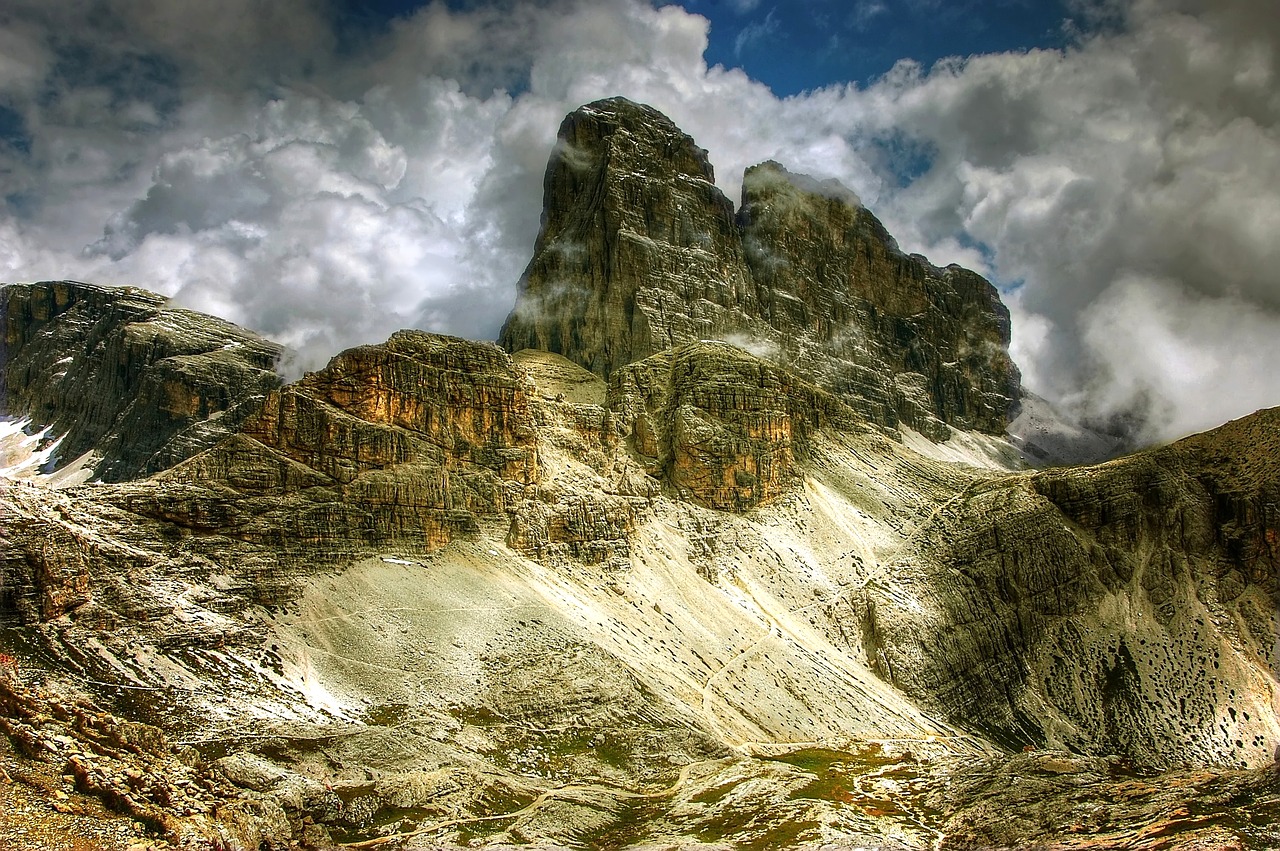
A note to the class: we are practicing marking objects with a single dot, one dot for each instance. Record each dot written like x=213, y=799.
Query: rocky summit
x=130, y=386
x=724, y=547
x=639, y=252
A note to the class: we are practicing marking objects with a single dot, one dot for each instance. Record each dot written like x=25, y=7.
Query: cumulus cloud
x=1131, y=186
x=330, y=186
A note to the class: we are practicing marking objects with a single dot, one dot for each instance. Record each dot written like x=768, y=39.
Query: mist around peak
x=336, y=183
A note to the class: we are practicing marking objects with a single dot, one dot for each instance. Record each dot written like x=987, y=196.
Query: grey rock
x=116, y=372
x=639, y=252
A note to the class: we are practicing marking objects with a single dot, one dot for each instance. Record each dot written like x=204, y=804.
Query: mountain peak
x=639, y=252
x=772, y=172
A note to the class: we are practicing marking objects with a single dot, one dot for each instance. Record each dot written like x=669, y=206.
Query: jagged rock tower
x=640, y=251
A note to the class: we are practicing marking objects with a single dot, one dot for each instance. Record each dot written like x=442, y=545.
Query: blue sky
x=329, y=171
x=797, y=46
x=793, y=47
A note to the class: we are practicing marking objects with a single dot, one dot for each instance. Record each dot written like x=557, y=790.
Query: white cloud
x=328, y=193
x=1151, y=154
x=756, y=33
x=1174, y=357
x=866, y=11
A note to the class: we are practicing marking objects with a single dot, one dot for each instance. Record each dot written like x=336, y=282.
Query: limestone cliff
x=720, y=425
x=639, y=251
x=406, y=443
x=1126, y=608
x=910, y=342
x=117, y=373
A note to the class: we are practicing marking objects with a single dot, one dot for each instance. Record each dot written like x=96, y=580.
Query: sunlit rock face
x=720, y=425
x=409, y=442
x=1127, y=608
x=639, y=251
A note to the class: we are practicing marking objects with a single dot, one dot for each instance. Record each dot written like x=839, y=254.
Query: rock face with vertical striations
x=404, y=443
x=908, y=341
x=723, y=427
x=1125, y=608
x=140, y=385
x=639, y=251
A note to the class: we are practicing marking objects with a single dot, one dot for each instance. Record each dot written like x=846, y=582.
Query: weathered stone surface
x=409, y=441
x=134, y=769
x=719, y=424
x=1126, y=608
x=435, y=593
x=1059, y=801
x=121, y=375
x=911, y=342
x=639, y=251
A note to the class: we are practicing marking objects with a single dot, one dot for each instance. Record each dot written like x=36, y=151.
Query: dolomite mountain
x=640, y=251
x=724, y=547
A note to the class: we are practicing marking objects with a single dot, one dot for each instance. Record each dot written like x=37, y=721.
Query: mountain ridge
x=440, y=593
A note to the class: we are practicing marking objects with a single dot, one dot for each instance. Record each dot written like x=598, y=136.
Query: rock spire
x=639, y=251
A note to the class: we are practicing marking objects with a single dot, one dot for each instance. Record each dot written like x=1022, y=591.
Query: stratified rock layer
x=720, y=425
x=1125, y=608
x=438, y=590
x=639, y=251
x=120, y=374
x=408, y=442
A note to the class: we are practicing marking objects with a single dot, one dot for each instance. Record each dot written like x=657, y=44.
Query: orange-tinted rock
x=720, y=424
x=409, y=441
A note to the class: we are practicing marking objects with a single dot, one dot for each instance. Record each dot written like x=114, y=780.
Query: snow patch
x=22, y=455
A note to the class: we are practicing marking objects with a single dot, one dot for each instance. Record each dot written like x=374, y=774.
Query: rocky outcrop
x=1059, y=801
x=720, y=425
x=137, y=771
x=639, y=251
x=435, y=592
x=406, y=443
x=1127, y=608
x=912, y=343
x=118, y=374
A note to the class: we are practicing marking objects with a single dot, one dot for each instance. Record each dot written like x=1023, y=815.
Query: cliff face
x=119, y=374
x=639, y=251
x=404, y=443
x=435, y=586
x=1127, y=608
x=721, y=426
x=908, y=341
x=1054, y=608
